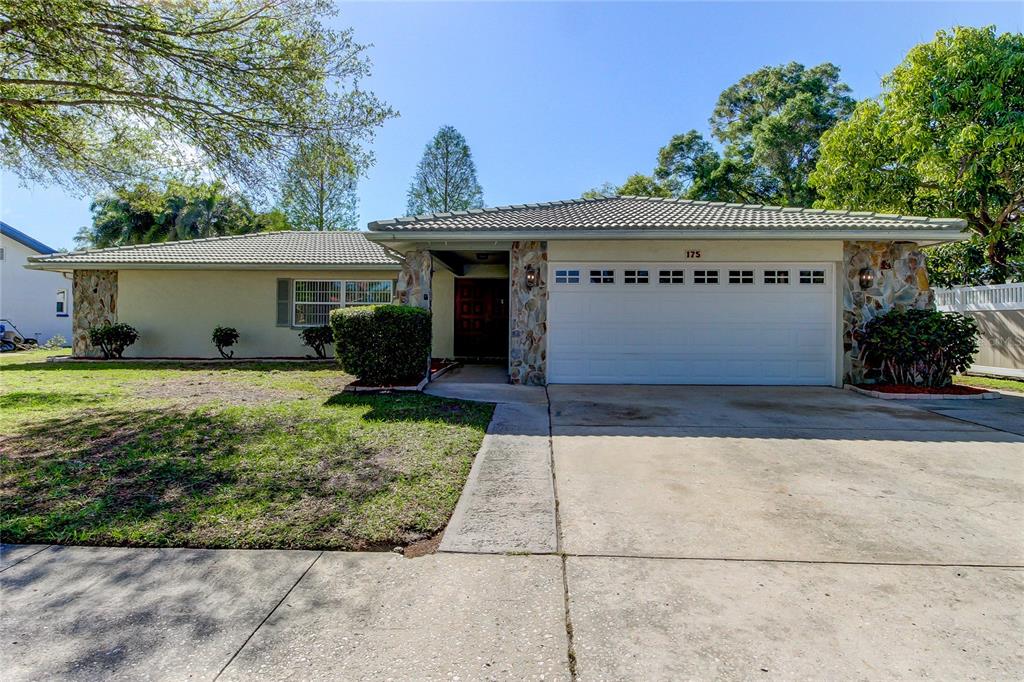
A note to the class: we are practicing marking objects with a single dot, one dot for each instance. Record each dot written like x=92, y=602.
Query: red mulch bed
x=905, y=388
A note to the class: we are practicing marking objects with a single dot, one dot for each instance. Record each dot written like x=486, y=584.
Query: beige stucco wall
x=443, y=311
x=175, y=311
x=483, y=271
x=710, y=250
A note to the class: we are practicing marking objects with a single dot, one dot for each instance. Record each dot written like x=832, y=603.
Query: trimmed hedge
x=382, y=345
x=921, y=347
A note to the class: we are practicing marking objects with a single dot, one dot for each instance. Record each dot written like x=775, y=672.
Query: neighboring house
x=607, y=290
x=999, y=311
x=267, y=285
x=37, y=303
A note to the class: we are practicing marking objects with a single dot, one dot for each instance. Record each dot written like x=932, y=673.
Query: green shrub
x=382, y=345
x=112, y=339
x=921, y=347
x=225, y=337
x=317, y=338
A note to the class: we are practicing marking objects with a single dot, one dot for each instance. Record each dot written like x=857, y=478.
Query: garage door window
x=741, y=277
x=776, y=276
x=567, y=276
x=812, y=277
x=602, y=277
x=705, y=276
x=671, y=277
x=636, y=276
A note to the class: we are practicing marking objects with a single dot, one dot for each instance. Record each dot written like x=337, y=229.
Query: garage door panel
x=739, y=334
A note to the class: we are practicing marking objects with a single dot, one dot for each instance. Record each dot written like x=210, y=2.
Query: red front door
x=481, y=318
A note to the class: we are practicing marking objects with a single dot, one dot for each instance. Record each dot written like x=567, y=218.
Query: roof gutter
x=943, y=235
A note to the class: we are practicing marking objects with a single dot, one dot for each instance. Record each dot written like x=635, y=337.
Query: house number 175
x=693, y=254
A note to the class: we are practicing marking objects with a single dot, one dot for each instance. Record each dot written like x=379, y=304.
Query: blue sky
x=556, y=98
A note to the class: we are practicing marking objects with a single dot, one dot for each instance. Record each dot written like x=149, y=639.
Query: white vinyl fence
x=999, y=311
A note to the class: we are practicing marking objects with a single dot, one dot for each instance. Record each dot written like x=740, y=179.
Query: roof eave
x=64, y=266
x=952, y=233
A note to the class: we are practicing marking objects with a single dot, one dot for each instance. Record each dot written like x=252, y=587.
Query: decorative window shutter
x=284, y=303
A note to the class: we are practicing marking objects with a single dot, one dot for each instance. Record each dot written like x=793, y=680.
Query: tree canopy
x=640, y=185
x=99, y=93
x=768, y=125
x=945, y=138
x=445, y=178
x=144, y=214
x=319, y=190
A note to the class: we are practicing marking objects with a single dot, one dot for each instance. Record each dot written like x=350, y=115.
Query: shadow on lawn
x=43, y=399
x=414, y=407
x=75, y=478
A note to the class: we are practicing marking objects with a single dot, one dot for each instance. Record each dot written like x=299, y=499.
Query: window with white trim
x=705, y=276
x=367, y=292
x=636, y=276
x=741, y=277
x=812, y=277
x=776, y=276
x=62, y=303
x=602, y=277
x=314, y=299
x=567, y=276
x=671, y=277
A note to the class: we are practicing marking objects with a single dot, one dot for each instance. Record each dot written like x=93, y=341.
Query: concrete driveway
x=790, y=474
x=738, y=532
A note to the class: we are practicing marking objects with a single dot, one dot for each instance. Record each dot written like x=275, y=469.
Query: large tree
x=97, y=93
x=768, y=125
x=771, y=123
x=446, y=176
x=319, y=190
x=945, y=138
x=143, y=214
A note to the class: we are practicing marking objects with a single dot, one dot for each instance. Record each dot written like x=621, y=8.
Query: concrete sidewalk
x=87, y=613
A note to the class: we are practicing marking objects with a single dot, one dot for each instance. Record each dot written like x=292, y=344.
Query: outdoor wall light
x=531, y=277
x=867, y=278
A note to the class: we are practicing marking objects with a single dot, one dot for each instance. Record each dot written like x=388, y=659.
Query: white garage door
x=682, y=323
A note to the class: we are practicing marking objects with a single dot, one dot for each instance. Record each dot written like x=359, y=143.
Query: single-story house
x=37, y=304
x=605, y=290
x=268, y=286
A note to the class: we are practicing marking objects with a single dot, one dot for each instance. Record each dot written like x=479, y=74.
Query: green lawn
x=987, y=382
x=242, y=455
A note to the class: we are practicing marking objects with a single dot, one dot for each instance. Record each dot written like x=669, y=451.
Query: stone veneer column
x=413, y=286
x=95, y=303
x=529, y=314
x=901, y=281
